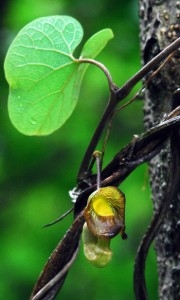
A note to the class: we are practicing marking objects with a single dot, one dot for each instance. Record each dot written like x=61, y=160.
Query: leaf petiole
x=112, y=86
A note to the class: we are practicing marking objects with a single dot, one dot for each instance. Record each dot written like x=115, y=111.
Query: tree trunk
x=159, y=26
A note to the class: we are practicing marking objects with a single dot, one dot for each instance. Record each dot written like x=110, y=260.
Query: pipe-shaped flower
x=105, y=218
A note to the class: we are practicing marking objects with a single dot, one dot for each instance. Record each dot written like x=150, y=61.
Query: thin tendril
x=60, y=218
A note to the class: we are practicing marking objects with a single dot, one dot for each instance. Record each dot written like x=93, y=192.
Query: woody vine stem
x=146, y=146
x=117, y=95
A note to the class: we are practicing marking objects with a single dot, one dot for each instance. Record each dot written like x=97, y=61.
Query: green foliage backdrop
x=36, y=173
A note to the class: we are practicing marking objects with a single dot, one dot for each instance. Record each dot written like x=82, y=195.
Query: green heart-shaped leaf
x=41, y=71
x=96, y=43
x=43, y=75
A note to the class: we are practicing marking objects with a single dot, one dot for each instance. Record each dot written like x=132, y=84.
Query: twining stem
x=168, y=197
x=97, y=134
x=117, y=95
x=128, y=86
x=43, y=291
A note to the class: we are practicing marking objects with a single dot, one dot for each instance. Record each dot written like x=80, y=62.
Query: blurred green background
x=36, y=173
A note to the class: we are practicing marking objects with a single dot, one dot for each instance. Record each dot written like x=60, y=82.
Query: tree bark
x=159, y=26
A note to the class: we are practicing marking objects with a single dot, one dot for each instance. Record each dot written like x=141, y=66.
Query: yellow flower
x=105, y=218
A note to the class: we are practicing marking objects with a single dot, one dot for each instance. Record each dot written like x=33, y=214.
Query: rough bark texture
x=159, y=26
